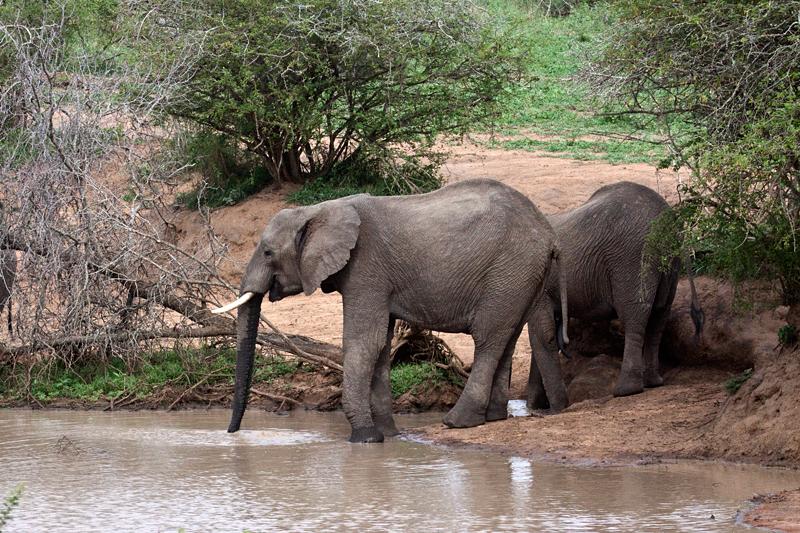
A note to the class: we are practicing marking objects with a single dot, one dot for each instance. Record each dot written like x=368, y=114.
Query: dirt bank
x=689, y=417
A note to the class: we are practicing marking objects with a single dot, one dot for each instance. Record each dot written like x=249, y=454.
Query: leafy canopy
x=310, y=87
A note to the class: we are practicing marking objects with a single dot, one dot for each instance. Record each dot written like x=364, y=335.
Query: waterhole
x=181, y=471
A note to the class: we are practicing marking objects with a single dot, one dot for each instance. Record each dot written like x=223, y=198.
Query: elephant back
x=602, y=244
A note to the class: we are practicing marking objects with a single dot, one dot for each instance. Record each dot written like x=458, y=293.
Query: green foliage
x=9, y=504
x=96, y=379
x=730, y=113
x=408, y=376
x=357, y=176
x=86, y=24
x=320, y=190
x=788, y=335
x=229, y=174
x=307, y=87
x=735, y=382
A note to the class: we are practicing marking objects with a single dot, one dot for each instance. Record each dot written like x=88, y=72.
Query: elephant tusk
x=233, y=305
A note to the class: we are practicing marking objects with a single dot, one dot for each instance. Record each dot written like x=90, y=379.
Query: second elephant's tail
x=561, y=335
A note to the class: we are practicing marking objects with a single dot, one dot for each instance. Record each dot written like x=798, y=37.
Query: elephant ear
x=324, y=243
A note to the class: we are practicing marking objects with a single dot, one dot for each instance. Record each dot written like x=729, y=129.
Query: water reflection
x=155, y=471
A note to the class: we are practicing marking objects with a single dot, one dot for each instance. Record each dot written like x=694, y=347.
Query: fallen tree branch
x=276, y=397
x=83, y=340
x=190, y=389
x=301, y=353
x=312, y=351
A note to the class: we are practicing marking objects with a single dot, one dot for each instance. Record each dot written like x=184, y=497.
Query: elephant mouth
x=275, y=290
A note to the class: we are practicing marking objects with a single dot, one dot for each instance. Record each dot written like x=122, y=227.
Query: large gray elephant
x=471, y=257
x=608, y=276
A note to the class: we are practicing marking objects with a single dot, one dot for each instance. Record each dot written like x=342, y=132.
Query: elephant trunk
x=246, y=332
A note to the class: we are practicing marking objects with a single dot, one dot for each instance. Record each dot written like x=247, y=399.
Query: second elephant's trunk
x=246, y=332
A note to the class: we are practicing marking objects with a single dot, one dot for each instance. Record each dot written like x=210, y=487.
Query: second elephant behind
x=608, y=277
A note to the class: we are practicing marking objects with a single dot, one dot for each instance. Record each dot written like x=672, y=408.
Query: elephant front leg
x=381, y=398
x=363, y=340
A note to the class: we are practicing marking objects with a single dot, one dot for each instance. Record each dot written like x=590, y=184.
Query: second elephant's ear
x=324, y=242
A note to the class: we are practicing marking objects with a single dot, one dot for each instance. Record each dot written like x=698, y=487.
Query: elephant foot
x=366, y=435
x=653, y=381
x=494, y=414
x=457, y=418
x=386, y=425
x=558, y=406
x=537, y=399
x=626, y=387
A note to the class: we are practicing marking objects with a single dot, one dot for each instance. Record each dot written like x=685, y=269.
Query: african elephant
x=608, y=276
x=471, y=257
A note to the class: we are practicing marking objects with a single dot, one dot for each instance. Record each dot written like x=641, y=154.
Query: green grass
x=407, y=377
x=735, y=382
x=548, y=112
x=94, y=380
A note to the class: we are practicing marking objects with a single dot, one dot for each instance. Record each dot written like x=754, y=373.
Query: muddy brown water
x=180, y=471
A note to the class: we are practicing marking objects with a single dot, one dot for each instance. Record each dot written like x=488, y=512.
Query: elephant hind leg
x=631, y=376
x=546, y=388
x=535, y=392
x=652, y=341
x=498, y=398
x=470, y=410
x=655, y=328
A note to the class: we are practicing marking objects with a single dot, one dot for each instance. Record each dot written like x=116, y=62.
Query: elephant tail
x=563, y=338
x=696, y=312
x=560, y=339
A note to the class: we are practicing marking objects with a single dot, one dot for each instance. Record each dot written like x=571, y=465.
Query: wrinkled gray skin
x=471, y=257
x=601, y=246
x=8, y=274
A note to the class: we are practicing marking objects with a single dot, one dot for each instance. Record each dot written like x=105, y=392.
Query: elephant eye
x=268, y=253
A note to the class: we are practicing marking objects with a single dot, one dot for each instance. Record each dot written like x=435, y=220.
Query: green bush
x=406, y=377
x=372, y=176
x=9, y=504
x=788, y=335
x=735, y=382
x=307, y=87
x=228, y=173
x=109, y=378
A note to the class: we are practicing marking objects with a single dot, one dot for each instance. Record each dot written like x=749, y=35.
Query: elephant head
x=298, y=250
